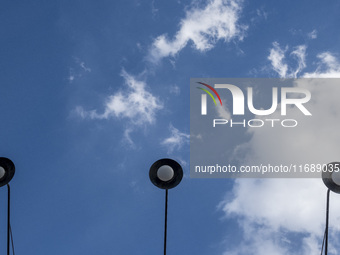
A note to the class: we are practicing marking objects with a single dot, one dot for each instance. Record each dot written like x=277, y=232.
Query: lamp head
x=166, y=173
x=7, y=170
x=331, y=176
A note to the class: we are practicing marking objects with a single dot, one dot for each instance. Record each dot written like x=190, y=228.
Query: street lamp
x=7, y=170
x=331, y=178
x=166, y=174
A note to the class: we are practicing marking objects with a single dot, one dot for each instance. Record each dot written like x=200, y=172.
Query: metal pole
x=166, y=219
x=8, y=215
x=327, y=219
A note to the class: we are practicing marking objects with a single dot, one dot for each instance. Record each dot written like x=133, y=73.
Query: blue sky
x=93, y=92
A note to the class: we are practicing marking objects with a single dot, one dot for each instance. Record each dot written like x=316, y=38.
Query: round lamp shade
x=331, y=176
x=7, y=170
x=166, y=173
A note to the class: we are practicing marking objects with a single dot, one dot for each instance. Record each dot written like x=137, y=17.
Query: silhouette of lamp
x=331, y=178
x=166, y=174
x=7, y=170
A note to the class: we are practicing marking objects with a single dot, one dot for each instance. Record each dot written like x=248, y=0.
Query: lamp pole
x=165, y=220
x=8, y=215
x=166, y=174
x=7, y=170
x=331, y=178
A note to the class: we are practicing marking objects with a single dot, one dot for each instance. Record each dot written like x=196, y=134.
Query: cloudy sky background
x=93, y=92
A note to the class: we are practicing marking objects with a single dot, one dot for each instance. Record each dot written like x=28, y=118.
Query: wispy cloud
x=328, y=67
x=85, y=68
x=262, y=13
x=78, y=70
x=203, y=27
x=174, y=89
x=300, y=55
x=176, y=139
x=154, y=10
x=135, y=104
x=277, y=57
x=313, y=34
x=127, y=138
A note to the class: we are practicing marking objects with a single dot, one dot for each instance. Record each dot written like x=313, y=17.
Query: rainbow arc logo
x=204, y=97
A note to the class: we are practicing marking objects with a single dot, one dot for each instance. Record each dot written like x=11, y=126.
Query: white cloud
x=86, y=69
x=277, y=59
x=261, y=13
x=300, y=54
x=175, y=90
x=154, y=10
x=277, y=215
x=313, y=34
x=279, y=204
x=259, y=240
x=135, y=103
x=204, y=27
x=127, y=138
x=276, y=56
x=78, y=70
x=287, y=216
x=176, y=140
x=328, y=67
x=71, y=77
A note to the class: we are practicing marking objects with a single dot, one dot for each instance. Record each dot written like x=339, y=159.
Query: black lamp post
x=331, y=178
x=7, y=170
x=166, y=174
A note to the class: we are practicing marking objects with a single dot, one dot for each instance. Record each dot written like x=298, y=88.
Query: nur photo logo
x=291, y=97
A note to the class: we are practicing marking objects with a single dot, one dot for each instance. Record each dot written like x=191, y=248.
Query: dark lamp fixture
x=166, y=173
x=331, y=176
x=7, y=170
